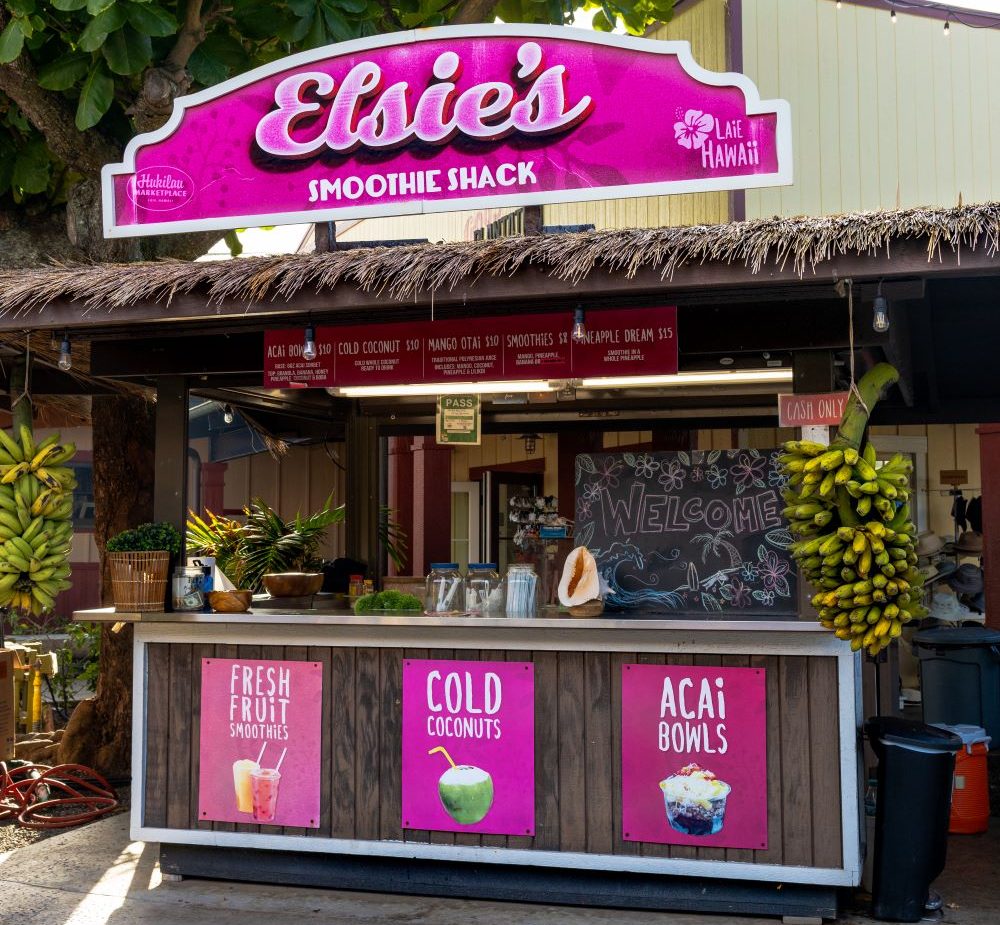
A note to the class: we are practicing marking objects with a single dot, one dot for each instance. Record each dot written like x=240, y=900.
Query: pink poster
x=469, y=746
x=694, y=756
x=260, y=742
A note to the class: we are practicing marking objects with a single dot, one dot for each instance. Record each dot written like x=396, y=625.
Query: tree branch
x=473, y=11
x=191, y=35
x=87, y=151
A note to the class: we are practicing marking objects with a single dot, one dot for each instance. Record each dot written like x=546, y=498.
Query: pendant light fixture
x=309, y=343
x=880, y=312
x=227, y=414
x=579, y=334
x=65, y=354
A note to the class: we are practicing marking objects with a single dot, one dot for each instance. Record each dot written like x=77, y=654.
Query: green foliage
x=147, y=538
x=264, y=543
x=94, y=53
x=79, y=663
x=387, y=600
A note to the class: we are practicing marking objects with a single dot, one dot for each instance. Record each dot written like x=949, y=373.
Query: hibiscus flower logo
x=696, y=127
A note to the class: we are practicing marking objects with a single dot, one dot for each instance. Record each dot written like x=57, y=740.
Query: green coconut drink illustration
x=466, y=791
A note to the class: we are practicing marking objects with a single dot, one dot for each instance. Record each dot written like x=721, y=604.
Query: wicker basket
x=139, y=580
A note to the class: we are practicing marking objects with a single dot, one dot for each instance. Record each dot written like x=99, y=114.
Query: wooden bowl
x=293, y=584
x=230, y=601
x=592, y=608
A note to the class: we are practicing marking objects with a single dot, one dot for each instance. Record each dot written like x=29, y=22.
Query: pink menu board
x=694, y=756
x=469, y=746
x=260, y=742
x=619, y=342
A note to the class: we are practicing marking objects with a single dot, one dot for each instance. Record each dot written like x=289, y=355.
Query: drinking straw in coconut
x=277, y=767
x=261, y=755
x=444, y=751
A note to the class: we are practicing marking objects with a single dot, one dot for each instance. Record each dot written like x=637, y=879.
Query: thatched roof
x=401, y=272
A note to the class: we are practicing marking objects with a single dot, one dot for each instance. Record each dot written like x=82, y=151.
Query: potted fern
x=265, y=551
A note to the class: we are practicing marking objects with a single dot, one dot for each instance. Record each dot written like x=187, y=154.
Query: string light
x=892, y=16
x=309, y=344
x=947, y=28
x=65, y=357
x=227, y=414
x=839, y=5
x=579, y=327
x=880, y=315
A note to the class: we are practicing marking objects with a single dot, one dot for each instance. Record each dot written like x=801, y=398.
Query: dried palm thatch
x=401, y=272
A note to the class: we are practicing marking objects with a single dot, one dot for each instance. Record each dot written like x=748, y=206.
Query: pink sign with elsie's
x=260, y=742
x=469, y=746
x=694, y=756
x=448, y=118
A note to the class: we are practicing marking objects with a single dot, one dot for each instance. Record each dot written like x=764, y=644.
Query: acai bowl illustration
x=695, y=800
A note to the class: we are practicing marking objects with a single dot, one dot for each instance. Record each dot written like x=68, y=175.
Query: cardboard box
x=7, y=706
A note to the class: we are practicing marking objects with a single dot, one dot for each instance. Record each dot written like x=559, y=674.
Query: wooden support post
x=533, y=218
x=171, y=464
x=812, y=371
x=363, y=479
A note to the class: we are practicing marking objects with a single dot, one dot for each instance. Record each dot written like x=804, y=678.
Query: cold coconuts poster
x=469, y=746
x=694, y=756
x=260, y=742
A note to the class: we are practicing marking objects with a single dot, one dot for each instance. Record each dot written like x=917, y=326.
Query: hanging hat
x=970, y=542
x=928, y=544
x=945, y=568
x=978, y=602
x=968, y=579
x=949, y=608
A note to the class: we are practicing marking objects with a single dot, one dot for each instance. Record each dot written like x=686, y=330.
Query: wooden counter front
x=812, y=719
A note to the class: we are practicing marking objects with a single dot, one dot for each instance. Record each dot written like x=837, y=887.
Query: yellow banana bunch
x=36, y=503
x=854, y=539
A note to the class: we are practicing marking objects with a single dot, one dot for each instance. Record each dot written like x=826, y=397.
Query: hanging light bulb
x=579, y=327
x=880, y=316
x=227, y=414
x=947, y=28
x=309, y=344
x=65, y=357
x=839, y=4
x=892, y=17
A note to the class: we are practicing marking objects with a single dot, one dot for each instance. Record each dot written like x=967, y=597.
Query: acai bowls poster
x=694, y=756
x=260, y=742
x=469, y=746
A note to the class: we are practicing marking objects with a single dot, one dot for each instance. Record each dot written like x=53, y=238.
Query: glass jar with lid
x=483, y=590
x=443, y=590
x=522, y=590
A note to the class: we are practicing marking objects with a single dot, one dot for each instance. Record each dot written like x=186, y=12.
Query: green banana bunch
x=36, y=503
x=856, y=541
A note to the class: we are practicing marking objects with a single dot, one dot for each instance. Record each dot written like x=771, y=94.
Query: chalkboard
x=696, y=533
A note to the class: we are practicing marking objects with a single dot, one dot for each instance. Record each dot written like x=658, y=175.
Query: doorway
x=498, y=531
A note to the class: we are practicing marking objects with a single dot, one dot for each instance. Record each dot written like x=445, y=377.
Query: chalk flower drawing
x=716, y=476
x=672, y=476
x=608, y=474
x=645, y=466
x=748, y=572
x=748, y=472
x=773, y=571
x=592, y=492
x=736, y=593
x=697, y=474
x=696, y=127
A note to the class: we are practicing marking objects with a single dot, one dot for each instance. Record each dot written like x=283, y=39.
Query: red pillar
x=213, y=486
x=430, y=540
x=989, y=459
x=401, y=495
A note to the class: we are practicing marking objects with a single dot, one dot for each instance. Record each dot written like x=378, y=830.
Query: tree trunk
x=99, y=731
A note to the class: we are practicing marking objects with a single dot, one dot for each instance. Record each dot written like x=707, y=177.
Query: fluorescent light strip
x=736, y=377
x=447, y=388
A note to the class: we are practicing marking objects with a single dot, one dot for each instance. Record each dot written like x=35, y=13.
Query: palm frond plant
x=264, y=544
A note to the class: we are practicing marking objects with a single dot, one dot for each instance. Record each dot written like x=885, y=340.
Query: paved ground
x=96, y=876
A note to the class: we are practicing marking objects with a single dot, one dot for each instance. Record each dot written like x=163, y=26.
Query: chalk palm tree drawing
x=715, y=543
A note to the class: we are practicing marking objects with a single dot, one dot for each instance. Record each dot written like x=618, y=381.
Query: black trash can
x=915, y=768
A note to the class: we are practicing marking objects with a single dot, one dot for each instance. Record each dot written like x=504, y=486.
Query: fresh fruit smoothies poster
x=469, y=746
x=694, y=756
x=260, y=742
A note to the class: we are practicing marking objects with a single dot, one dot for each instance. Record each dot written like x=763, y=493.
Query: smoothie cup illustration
x=465, y=791
x=242, y=770
x=695, y=801
x=264, y=789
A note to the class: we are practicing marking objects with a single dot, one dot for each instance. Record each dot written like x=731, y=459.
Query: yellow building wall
x=299, y=482
x=442, y=227
x=883, y=115
x=704, y=26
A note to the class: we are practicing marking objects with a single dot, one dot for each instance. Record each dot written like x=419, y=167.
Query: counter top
x=270, y=618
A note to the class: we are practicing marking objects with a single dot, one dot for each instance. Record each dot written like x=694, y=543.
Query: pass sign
x=435, y=120
x=458, y=420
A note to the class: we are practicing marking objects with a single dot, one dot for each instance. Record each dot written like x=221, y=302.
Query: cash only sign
x=443, y=119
